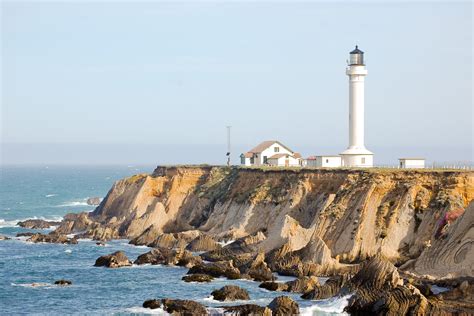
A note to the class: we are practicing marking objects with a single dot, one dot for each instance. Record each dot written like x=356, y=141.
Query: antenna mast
x=228, y=145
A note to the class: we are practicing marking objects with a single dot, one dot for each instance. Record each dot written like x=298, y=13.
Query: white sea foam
x=14, y=222
x=148, y=311
x=50, y=195
x=225, y=243
x=333, y=305
x=32, y=285
x=73, y=204
x=68, y=251
x=438, y=289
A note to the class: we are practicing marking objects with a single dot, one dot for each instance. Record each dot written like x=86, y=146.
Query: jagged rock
x=183, y=307
x=115, y=260
x=74, y=223
x=167, y=241
x=247, y=310
x=230, y=293
x=274, y=286
x=97, y=231
x=62, y=282
x=147, y=237
x=93, y=201
x=217, y=269
x=52, y=238
x=284, y=306
x=203, y=243
x=197, y=278
x=168, y=256
x=37, y=224
x=332, y=286
x=303, y=284
x=4, y=237
x=26, y=234
x=152, y=304
x=257, y=269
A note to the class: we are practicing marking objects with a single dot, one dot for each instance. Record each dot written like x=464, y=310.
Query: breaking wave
x=333, y=305
x=148, y=311
x=14, y=222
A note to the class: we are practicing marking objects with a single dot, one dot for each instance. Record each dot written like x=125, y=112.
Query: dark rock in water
x=93, y=201
x=203, y=243
x=115, y=260
x=53, y=238
x=152, y=304
x=74, y=223
x=284, y=306
x=4, y=237
x=217, y=269
x=274, y=286
x=27, y=234
x=62, y=282
x=183, y=307
x=230, y=293
x=303, y=284
x=168, y=257
x=99, y=243
x=329, y=289
x=197, y=278
x=247, y=310
x=37, y=224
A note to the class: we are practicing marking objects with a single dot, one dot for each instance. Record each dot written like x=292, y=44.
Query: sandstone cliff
x=420, y=219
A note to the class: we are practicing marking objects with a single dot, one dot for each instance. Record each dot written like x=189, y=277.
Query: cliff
x=417, y=219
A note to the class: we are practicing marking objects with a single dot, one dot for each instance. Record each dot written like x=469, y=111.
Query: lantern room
x=356, y=57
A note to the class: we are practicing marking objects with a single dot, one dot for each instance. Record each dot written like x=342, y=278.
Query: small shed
x=412, y=163
x=324, y=161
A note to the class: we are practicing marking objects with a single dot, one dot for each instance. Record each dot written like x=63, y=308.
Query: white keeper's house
x=271, y=153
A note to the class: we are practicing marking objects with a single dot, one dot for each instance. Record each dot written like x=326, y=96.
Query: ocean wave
x=32, y=285
x=74, y=204
x=14, y=222
x=148, y=311
x=50, y=195
x=225, y=243
x=333, y=305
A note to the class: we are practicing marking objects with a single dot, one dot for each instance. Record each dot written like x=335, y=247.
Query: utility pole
x=228, y=145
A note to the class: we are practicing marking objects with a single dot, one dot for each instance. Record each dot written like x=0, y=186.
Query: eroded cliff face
x=410, y=217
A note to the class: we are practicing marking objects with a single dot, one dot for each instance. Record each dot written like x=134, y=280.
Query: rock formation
x=230, y=293
x=197, y=278
x=284, y=306
x=37, y=224
x=63, y=282
x=52, y=237
x=115, y=260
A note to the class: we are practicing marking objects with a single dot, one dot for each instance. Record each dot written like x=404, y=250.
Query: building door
x=287, y=162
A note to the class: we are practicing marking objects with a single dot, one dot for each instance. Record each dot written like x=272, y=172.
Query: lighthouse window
x=363, y=160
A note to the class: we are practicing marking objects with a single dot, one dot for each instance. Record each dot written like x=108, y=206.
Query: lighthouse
x=356, y=155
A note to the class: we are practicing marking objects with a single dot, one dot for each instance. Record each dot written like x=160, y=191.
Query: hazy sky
x=151, y=82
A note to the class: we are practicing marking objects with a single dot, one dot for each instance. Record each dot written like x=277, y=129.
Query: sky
x=158, y=82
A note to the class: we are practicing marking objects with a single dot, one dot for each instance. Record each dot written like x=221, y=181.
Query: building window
x=327, y=160
x=277, y=149
x=265, y=159
x=363, y=160
x=242, y=160
x=252, y=160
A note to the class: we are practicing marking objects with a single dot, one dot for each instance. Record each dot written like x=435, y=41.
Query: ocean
x=50, y=192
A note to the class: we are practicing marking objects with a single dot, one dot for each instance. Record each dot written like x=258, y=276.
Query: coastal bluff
x=421, y=220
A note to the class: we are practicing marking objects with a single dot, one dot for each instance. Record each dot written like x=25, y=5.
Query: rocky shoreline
x=385, y=237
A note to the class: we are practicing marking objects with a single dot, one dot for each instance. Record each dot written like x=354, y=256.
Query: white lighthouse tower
x=356, y=155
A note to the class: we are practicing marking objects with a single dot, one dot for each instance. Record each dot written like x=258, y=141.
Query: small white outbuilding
x=412, y=163
x=326, y=161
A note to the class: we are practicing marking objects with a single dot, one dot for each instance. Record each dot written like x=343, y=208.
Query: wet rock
x=168, y=257
x=197, y=278
x=303, y=284
x=147, y=237
x=284, y=306
x=74, y=223
x=152, y=304
x=97, y=231
x=183, y=307
x=52, y=238
x=203, y=243
x=115, y=260
x=329, y=289
x=230, y=293
x=166, y=241
x=37, y=224
x=27, y=234
x=93, y=201
x=247, y=310
x=274, y=286
x=217, y=269
x=4, y=237
x=99, y=243
x=63, y=282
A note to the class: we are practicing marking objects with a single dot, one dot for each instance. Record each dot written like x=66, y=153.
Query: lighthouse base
x=357, y=158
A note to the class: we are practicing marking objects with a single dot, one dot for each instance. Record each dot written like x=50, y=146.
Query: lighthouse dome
x=356, y=57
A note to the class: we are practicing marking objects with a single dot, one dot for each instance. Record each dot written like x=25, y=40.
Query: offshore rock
x=197, y=278
x=284, y=306
x=274, y=286
x=329, y=289
x=52, y=238
x=168, y=256
x=303, y=284
x=63, y=282
x=115, y=260
x=94, y=201
x=152, y=304
x=4, y=237
x=230, y=293
x=183, y=307
x=37, y=224
x=217, y=269
x=247, y=310
x=257, y=269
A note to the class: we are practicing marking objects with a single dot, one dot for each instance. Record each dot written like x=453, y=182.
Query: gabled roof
x=276, y=156
x=297, y=155
x=248, y=155
x=264, y=145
